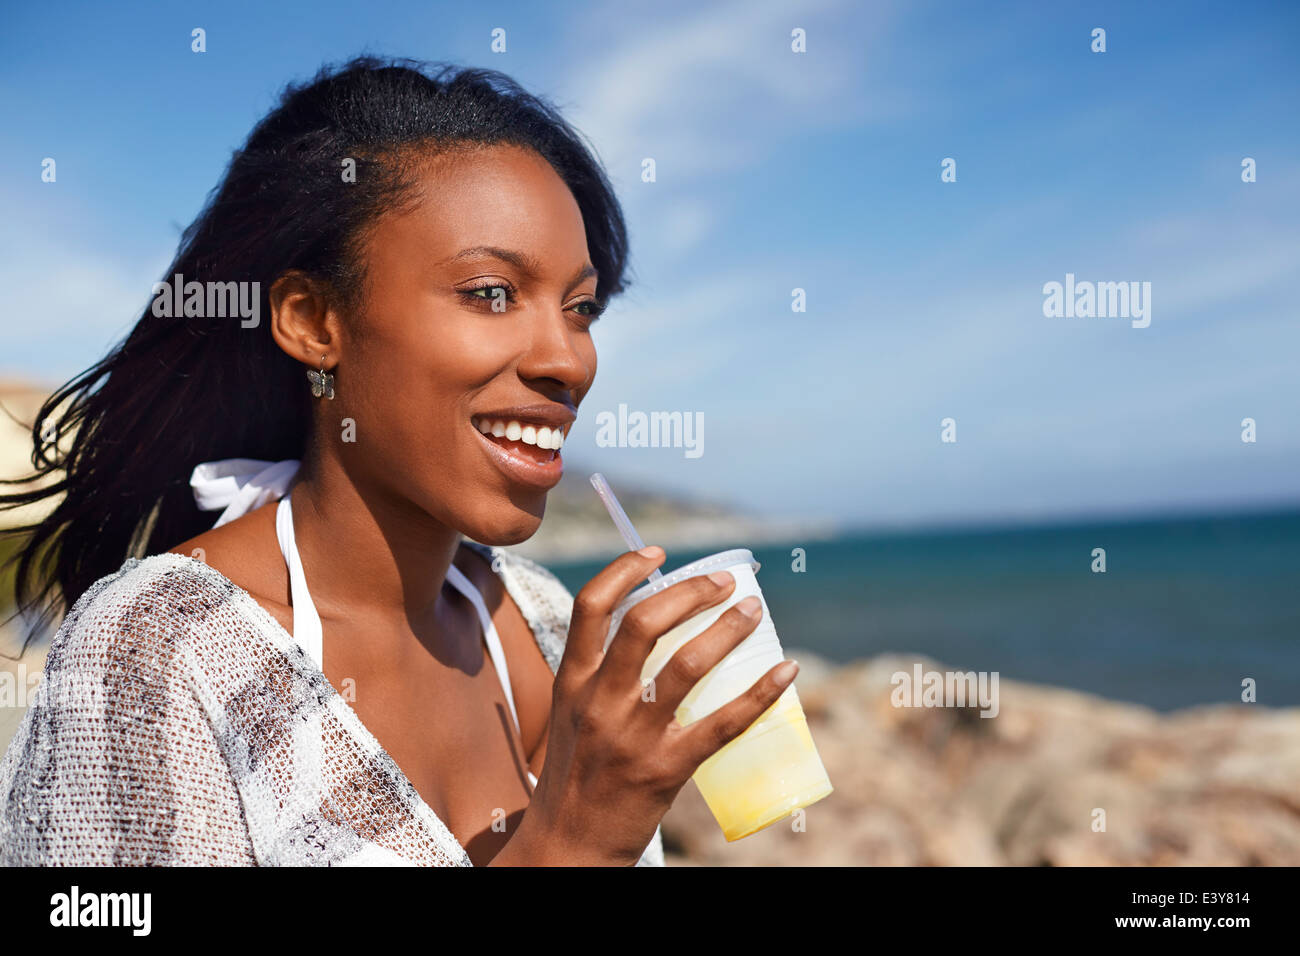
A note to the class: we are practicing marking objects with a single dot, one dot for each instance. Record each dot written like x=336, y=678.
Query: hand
x=614, y=761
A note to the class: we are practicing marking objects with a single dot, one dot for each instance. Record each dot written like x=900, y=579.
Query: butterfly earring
x=322, y=382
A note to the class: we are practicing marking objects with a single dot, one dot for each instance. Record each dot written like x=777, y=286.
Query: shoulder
x=115, y=722
x=146, y=594
x=542, y=598
x=246, y=553
x=138, y=620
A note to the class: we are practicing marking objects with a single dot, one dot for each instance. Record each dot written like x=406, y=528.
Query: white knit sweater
x=177, y=723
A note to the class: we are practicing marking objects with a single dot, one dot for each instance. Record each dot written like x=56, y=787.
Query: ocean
x=1185, y=610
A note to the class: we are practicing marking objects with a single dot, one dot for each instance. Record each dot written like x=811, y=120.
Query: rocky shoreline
x=1212, y=785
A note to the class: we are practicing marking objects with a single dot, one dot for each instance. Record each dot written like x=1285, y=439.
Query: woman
x=305, y=681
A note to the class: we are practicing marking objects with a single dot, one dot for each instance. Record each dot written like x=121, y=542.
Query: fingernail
x=651, y=551
x=751, y=606
x=721, y=578
x=785, y=673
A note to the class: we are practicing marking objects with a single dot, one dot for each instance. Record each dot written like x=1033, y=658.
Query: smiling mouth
x=529, y=440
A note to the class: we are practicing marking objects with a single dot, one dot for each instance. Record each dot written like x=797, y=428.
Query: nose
x=556, y=352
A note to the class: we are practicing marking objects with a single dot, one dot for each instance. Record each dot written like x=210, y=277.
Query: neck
x=372, y=553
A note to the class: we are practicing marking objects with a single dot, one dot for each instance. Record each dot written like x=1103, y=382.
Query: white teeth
x=542, y=436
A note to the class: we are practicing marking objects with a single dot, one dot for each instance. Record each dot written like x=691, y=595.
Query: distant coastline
x=577, y=528
x=1068, y=520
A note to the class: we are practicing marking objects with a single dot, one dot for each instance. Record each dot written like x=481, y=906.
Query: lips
x=524, y=462
x=524, y=441
x=552, y=414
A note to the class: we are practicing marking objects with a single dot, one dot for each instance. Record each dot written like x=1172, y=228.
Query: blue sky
x=778, y=170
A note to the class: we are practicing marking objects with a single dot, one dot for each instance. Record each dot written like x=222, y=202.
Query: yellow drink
x=766, y=773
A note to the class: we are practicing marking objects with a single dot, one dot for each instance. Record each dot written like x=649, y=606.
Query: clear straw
x=621, y=520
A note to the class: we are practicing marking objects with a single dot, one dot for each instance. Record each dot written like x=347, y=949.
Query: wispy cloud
x=715, y=87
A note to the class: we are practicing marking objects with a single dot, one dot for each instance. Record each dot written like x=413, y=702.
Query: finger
x=657, y=615
x=706, y=736
x=594, y=604
x=698, y=656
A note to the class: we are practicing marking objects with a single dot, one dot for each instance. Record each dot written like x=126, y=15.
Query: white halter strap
x=306, y=621
x=498, y=654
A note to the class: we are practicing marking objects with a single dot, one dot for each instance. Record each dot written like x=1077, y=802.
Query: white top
x=306, y=621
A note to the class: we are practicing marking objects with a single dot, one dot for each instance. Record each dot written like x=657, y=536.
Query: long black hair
x=115, y=446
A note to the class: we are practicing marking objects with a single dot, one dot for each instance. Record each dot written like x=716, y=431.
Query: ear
x=302, y=322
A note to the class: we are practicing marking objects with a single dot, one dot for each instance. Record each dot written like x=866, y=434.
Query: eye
x=588, y=308
x=486, y=293
x=595, y=309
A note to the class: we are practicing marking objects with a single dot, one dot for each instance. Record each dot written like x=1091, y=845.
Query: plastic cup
x=772, y=768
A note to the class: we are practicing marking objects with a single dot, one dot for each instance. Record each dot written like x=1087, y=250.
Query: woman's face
x=478, y=309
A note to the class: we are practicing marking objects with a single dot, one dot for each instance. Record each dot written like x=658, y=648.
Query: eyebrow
x=520, y=260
